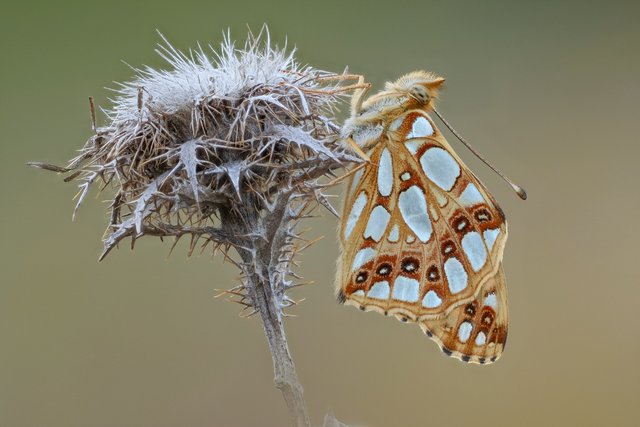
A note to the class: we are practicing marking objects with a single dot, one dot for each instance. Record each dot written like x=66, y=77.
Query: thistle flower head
x=220, y=135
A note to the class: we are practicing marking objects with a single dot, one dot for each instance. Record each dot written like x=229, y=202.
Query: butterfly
x=422, y=239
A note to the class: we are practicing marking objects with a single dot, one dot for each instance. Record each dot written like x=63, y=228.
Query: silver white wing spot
x=420, y=128
x=362, y=257
x=431, y=300
x=490, y=236
x=456, y=276
x=354, y=215
x=413, y=207
x=440, y=167
x=385, y=173
x=474, y=249
x=406, y=289
x=377, y=224
x=471, y=196
x=379, y=290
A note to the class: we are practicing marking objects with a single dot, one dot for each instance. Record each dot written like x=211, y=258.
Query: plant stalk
x=285, y=376
x=265, y=264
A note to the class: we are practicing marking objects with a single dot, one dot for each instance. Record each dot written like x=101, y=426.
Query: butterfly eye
x=361, y=277
x=410, y=265
x=420, y=94
x=384, y=269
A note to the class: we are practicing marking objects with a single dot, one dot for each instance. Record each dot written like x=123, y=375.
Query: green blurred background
x=547, y=90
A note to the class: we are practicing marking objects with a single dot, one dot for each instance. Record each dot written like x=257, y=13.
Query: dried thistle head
x=216, y=146
x=231, y=150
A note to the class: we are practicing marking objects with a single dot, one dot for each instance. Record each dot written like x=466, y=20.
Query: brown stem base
x=285, y=376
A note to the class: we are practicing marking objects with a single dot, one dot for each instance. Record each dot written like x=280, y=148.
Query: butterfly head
x=419, y=87
x=416, y=90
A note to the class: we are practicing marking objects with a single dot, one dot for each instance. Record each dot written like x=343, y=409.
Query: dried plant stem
x=285, y=376
x=265, y=263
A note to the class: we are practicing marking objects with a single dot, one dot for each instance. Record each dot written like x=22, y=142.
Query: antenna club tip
x=521, y=192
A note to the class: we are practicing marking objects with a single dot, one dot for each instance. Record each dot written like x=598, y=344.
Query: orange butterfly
x=422, y=239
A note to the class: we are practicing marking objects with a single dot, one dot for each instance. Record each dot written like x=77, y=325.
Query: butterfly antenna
x=519, y=190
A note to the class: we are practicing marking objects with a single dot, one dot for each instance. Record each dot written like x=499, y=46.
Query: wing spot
x=448, y=247
x=470, y=309
x=384, y=269
x=431, y=300
x=377, y=224
x=482, y=215
x=379, y=290
x=475, y=250
x=394, y=234
x=415, y=213
x=456, y=275
x=491, y=301
x=433, y=275
x=363, y=257
x=487, y=318
x=421, y=126
x=410, y=265
x=490, y=236
x=385, y=174
x=471, y=196
x=481, y=338
x=440, y=167
x=461, y=224
x=464, y=331
x=406, y=289
x=354, y=214
x=362, y=277
x=466, y=358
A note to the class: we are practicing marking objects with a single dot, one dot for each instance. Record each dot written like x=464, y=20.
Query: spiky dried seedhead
x=216, y=138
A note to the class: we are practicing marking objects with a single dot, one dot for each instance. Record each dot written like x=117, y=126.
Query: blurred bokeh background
x=547, y=90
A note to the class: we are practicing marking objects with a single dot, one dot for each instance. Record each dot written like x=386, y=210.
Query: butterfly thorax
x=389, y=129
x=371, y=122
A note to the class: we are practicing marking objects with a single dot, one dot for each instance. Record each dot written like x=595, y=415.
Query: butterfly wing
x=476, y=331
x=422, y=238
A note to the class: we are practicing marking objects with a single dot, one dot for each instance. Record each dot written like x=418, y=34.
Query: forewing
x=421, y=236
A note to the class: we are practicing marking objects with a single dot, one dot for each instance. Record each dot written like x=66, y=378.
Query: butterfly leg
x=358, y=96
x=356, y=148
x=360, y=85
x=361, y=89
x=341, y=178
